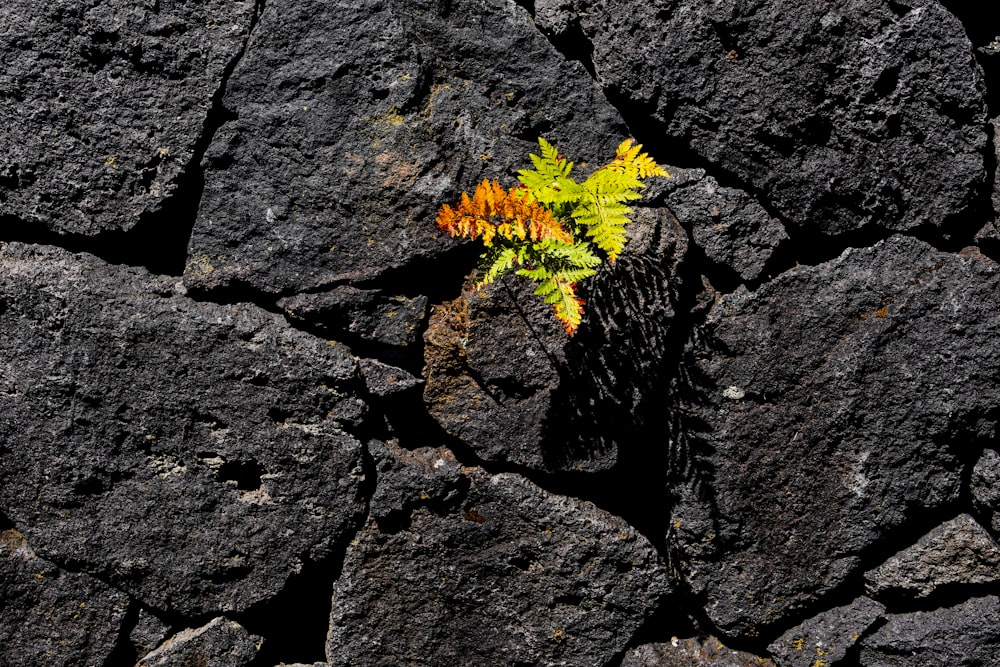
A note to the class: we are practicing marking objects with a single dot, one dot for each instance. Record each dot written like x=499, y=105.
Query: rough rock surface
x=510, y=575
x=693, y=652
x=356, y=121
x=220, y=643
x=827, y=637
x=52, y=617
x=312, y=399
x=104, y=104
x=842, y=115
x=172, y=447
x=985, y=486
x=824, y=424
x=731, y=227
x=963, y=635
x=503, y=377
x=957, y=552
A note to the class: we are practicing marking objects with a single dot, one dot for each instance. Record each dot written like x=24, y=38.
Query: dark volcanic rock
x=504, y=377
x=694, y=652
x=51, y=617
x=103, y=103
x=957, y=552
x=966, y=635
x=728, y=225
x=832, y=405
x=220, y=643
x=369, y=315
x=190, y=453
x=826, y=638
x=840, y=114
x=985, y=486
x=355, y=122
x=511, y=575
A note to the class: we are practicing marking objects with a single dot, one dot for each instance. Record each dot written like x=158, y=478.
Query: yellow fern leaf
x=630, y=160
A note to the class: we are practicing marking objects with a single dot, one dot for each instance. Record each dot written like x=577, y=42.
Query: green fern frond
x=561, y=295
x=495, y=262
x=549, y=225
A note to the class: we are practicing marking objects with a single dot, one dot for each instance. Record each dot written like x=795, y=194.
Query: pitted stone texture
x=826, y=638
x=957, y=552
x=842, y=115
x=356, y=121
x=513, y=576
x=965, y=635
x=220, y=643
x=825, y=410
x=731, y=227
x=985, y=486
x=52, y=617
x=190, y=453
x=503, y=376
x=104, y=102
x=693, y=652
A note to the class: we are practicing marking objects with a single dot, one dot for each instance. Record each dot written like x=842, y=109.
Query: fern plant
x=549, y=225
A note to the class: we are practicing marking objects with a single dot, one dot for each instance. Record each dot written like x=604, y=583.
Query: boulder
x=962, y=635
x=219, y=643
x=958, y=552
x=353, y=123
x=840, y=116
x=105, y=105
x=500, y=573
x=503, y=376
x=822, y=412
x=192, y=454
x=52, y=617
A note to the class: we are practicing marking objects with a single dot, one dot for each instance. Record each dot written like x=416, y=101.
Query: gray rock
x=104, y=104
x=823, y=411
x=503, y=376
x=219, y=643
x=147, y=633
x=965, y=635
x=425, y=476
x=514, y=575
x=728, y=225
x=984, y=483
x=385, y=380
x=52, y=617
x=959, y=551
x=692, y=652
x=190, y=453
x=368, y=314
x=841, y=115
x=355, y=122
x=995, y=123
x=826, y=638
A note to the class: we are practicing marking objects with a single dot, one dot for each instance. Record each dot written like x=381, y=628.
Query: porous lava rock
x=52, y=617
x=192, y=454
x=958, y=552
x=503, y=573
x=825, y=410
x=963, y=635
x=827, y=637
x=355, y=122
x=219, y=643
x=105, y=103
x=844, y=115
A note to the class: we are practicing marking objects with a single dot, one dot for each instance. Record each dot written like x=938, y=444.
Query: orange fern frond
x=513, y=214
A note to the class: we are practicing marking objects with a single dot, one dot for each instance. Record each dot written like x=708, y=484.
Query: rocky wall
x=253, y=412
